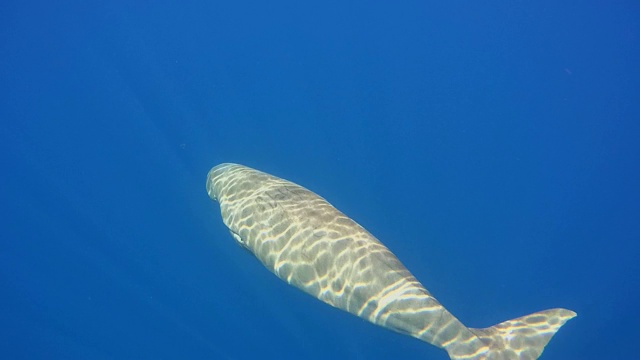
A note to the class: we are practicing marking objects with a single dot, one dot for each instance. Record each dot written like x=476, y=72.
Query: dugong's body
x=311, y=245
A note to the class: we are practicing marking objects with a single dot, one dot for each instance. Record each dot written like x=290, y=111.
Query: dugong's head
x=217, y=177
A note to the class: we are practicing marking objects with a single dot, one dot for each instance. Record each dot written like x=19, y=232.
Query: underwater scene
x=319, y=180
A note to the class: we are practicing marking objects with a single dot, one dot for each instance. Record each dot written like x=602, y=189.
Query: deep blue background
x=493, y=146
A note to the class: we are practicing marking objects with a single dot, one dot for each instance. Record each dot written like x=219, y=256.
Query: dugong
x=308, y=243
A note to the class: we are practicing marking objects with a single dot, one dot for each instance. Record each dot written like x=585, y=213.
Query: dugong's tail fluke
x=523, y=338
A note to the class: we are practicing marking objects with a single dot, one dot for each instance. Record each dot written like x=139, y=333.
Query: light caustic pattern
x=308, y=243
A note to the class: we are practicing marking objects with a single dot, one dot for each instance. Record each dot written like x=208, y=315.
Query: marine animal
x=308, y=243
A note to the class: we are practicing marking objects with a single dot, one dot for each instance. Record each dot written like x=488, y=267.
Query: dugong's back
x=304, y=240
x=308, y=243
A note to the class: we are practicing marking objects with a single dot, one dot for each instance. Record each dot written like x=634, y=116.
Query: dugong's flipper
x=311, y=245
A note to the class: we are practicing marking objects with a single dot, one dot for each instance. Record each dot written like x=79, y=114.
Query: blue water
x=493, y=146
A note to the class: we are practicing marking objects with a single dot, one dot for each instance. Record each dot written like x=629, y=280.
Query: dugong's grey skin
x=308, y=243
